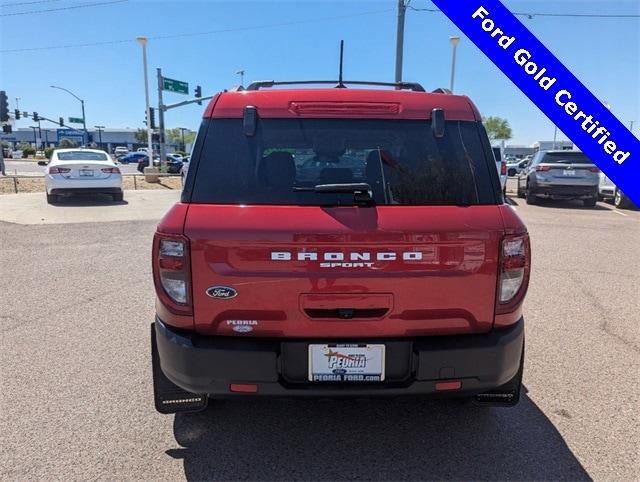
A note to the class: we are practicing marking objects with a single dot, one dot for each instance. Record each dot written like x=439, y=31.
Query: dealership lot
x=76, y=391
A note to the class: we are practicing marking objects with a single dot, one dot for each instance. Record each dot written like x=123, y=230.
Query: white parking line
x=618, y=212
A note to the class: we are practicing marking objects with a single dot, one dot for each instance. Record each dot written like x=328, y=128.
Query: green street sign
x=175, y=86
x=76, y=120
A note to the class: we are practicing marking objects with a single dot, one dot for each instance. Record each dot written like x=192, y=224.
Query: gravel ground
x=76, y=392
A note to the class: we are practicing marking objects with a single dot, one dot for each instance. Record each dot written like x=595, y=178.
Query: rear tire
x=52, y=198
x=519, y=192
x=118, y=197
x=620, y=200
x=590, y=203
x=531, y=198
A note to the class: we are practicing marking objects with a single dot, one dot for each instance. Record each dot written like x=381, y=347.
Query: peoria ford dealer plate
x=346, y=363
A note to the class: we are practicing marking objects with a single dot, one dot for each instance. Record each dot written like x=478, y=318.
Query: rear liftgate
x=168, y=397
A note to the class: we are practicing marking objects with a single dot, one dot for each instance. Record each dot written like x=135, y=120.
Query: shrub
x=47, y=152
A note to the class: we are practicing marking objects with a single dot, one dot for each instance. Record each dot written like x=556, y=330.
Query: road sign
x=76, y=120
x=175, y=86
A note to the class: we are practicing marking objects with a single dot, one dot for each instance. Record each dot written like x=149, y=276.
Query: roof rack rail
x=441, y=90
x=414, y=86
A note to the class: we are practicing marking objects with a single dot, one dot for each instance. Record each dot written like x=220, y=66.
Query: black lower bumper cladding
x=207, y=365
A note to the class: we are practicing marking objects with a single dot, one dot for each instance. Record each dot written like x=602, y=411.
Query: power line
x=193, y=34
x=531, y=15
x=15, y=4
x=71, y=7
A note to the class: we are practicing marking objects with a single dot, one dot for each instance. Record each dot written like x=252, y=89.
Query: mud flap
x=507, y=395
x=168, y=397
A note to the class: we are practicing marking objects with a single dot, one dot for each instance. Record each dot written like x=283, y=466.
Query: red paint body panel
x=342, y=103
x=450, y=290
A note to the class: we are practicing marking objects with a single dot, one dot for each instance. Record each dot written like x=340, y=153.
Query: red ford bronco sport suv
x=336, y=242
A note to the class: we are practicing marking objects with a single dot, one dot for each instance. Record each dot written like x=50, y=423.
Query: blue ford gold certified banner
x=550, y=85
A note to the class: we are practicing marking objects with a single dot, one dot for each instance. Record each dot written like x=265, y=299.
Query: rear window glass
x=400, y=160
x=82, y=156
x=566, y=158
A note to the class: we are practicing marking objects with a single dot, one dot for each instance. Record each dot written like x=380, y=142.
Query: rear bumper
x=558, y=191
x=86, y=190
x=279, y=367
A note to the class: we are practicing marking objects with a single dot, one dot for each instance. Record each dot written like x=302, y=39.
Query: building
x=523, y=151
x=107, y=139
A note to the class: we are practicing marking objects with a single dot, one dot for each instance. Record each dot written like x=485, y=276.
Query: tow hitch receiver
x=168, y=397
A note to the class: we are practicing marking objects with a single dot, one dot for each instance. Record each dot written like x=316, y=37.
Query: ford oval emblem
x=222, y=292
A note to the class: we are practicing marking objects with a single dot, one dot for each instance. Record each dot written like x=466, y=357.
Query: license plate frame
x=86, y=172
x=346, y=362
x=568, y=172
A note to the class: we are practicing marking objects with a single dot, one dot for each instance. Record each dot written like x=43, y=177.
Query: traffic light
x=198, y=93
x=4, y=107
x=61, y=121
x=35, y=117
x=152, y=113
x=16, y=113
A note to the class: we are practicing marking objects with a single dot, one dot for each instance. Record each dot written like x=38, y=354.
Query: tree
x=174, y=136
x=497, y=128
x=141, y=136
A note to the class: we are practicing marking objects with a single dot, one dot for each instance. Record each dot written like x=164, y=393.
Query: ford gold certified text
x=355, y=259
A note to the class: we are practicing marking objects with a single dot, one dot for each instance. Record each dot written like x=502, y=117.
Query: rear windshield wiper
x=361, y=191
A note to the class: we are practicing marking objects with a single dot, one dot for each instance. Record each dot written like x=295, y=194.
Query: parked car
x=144, y=162
x=81, y=171
x=404, y=274
x=121, y=151
x=132, y=157
x=560, y=175
x=501, y=166
x=608, y=191
x=516, y=167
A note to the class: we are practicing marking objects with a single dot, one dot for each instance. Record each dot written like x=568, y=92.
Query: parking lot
x=76, y=384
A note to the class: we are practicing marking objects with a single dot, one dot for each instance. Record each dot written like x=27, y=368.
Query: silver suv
x=560, y=175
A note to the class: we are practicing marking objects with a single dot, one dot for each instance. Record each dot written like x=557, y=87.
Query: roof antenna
x=340, y=84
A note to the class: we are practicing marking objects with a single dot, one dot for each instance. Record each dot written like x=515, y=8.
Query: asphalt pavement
x=77, y=300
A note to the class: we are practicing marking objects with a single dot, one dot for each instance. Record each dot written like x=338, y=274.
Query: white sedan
x=74, y=171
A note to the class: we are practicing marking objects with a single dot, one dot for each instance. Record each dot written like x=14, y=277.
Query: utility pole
x=631, y=127
x=163, y=148
x=400, y=39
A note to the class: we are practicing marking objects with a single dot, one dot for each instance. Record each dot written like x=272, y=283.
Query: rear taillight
x=515, y=259
x=111, y=170
x=171, y=272
x=59, y=170
x=594, y=169
x=503, y=168
x=542, y=168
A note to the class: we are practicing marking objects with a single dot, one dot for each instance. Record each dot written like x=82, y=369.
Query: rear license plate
x=86, y=172
x=569, y=173
x=346, y=363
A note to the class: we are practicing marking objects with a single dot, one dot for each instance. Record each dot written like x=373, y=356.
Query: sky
x=292, y=40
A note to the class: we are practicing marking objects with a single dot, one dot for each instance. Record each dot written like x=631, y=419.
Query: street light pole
x=241, y=74
x=84, y=121
x=35, y=137
x=143, y=42
x=99, y=135
x=555, y=136
x=454, y=44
